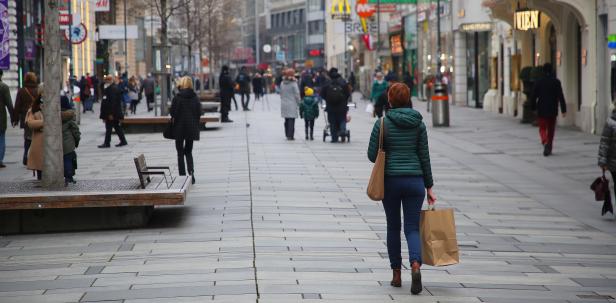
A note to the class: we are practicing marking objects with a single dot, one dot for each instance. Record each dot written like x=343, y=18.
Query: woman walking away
x=408, y=175
x=289, y=106
x=309, y=111
x=185, y=113
x=257, y=86
x=378, y=87
x=34, y=122
x=25, y=97
x=133, y=94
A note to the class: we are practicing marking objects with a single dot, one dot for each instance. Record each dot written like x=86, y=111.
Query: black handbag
x=168, y=131
x=600, y=186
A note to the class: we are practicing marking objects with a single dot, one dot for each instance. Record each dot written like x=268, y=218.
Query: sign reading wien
x=526, y=19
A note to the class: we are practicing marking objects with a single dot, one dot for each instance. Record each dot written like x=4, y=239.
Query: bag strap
x=382, y=133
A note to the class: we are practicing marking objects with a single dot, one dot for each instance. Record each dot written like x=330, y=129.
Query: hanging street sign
x=527, y=19
x=611, y=41
x=267, y=48
x=341, y=10
x=101, y=5
x=364, y=10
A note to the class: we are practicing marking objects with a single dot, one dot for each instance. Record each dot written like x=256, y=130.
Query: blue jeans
x=408, y=191
x=2, y=145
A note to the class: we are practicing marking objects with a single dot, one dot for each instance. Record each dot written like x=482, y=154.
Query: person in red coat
x=546, y=97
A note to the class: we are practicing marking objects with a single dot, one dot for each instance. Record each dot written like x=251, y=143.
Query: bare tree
x=53, y=176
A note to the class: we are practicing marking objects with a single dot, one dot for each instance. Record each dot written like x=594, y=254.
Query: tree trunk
x=53, y=166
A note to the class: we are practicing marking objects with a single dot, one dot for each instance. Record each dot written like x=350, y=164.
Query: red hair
x=399, y=95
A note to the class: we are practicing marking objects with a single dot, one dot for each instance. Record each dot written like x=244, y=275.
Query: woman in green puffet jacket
x=408, y=175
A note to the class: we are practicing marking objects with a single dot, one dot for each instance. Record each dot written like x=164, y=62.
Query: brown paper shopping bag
x=376, y=184
x=439, y=246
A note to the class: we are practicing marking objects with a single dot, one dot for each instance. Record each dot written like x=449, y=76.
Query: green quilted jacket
x=406, y=145
x=309, y=108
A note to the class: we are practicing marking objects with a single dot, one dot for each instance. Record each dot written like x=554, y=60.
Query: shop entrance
x=478, y=67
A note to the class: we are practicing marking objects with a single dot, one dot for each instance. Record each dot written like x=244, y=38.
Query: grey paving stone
x=92, y=270
x=547, y=269
x=586, y=282
x=504, y=286
x=45, y=284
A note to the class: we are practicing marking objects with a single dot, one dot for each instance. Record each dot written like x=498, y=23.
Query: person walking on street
x=133, y=94
x=309, y=111
x=25, y=97
x=257, y=86
x=378, y=87
x=409, y=80
x=336, y=95
x=382, y=102
x=70, y=140
x=546, y=96
x=148, y=87
x=186, y=113
x=6, y=108
x=352, y=81
x=289, y=102
x=408, y=176
x=226, y=93
x=111, y=112
x=34, y=122
x=607, y=146
x=243, y=80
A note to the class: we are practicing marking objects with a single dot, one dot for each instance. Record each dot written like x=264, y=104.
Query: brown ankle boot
x=416, y=286
x=396, y=281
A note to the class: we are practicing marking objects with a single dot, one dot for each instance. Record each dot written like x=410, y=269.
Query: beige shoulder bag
x=376, y=185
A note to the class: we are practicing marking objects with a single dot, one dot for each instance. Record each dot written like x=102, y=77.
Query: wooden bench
x=136, y=125
x=90, y=204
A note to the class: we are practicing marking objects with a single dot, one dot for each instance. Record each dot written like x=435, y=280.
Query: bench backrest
x=141, y=168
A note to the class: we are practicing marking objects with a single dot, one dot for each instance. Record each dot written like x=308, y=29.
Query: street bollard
x=440, y=106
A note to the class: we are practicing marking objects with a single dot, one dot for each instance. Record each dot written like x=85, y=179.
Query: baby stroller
x=327, y=129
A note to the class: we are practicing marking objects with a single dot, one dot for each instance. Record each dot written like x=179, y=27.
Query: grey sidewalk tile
x=45, y=284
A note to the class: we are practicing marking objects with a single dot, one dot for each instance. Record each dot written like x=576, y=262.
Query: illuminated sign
x=341, y=9
x=526, y=19
x=314, y=52
x=611, y=41
x=476, y=27
x=364, y=10
x=396, y=44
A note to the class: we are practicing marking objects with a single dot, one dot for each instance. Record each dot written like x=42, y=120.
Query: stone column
x=460, y=82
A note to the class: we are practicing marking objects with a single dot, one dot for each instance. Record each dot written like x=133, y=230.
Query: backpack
x=335, y=94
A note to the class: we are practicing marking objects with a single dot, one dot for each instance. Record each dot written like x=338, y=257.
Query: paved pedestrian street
x=276, y=221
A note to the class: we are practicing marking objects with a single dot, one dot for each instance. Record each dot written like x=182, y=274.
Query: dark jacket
x=547, y=94
x=607, y=145
x=186, y=112
x=148, y=86
x=244, y=81
x=112, y=103
x=309, y=108
x=226, y=85
x=257, y=85
x=331, y=107
x=6, y=106
x=24, y=99
x=406, y=145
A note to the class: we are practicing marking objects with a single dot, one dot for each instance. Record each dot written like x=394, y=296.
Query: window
x=301, y=16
